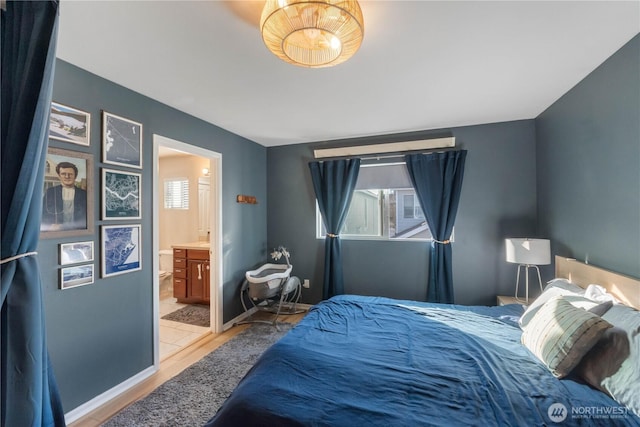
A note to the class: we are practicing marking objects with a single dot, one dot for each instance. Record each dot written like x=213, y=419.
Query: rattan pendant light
x=312, y=33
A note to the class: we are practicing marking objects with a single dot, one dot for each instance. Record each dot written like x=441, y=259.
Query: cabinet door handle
x=207, y=267
x=199, y=271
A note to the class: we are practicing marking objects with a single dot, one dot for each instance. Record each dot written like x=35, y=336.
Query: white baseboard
x=96, y=402
x=238, y=318
x=243, y=316
x=103, y=398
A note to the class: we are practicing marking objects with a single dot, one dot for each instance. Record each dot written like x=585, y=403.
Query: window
x=384, y=207
x=412, y=208
x=364, y=217
x=176, y=193
x=409, y=206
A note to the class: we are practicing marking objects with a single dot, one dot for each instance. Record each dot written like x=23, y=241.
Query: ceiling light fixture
x=312, y=33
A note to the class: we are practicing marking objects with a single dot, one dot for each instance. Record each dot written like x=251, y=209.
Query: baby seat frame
x=270, y=288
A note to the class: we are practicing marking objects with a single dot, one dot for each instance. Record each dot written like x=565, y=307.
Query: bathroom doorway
x=187, y=213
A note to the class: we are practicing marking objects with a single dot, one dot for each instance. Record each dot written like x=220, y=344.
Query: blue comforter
x=366, y=361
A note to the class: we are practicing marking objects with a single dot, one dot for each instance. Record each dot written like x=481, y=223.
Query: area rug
x=192, y=314
x=193, y=396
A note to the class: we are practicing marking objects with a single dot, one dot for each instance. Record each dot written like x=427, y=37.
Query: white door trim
x=216, y=235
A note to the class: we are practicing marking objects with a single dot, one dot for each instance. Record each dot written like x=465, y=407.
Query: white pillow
x=555, y=287
x=624, y=385
x=565, y=284
x=600, y=294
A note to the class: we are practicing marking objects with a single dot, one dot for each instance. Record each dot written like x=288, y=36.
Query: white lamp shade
x=528, y=251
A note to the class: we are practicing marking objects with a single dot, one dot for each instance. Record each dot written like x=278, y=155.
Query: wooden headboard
x=625, y=288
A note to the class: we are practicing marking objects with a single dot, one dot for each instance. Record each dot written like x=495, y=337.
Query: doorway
x=208, y=186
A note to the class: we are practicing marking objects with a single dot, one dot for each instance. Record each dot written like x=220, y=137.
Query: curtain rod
x=391, y=155
x=385, y=148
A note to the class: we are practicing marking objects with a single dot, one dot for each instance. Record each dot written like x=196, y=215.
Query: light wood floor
x=169, y=368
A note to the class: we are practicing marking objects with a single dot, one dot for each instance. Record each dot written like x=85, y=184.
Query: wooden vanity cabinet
x=179, y=273
x=191, y=273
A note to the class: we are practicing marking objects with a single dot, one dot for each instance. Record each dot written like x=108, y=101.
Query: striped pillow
x=559, y=334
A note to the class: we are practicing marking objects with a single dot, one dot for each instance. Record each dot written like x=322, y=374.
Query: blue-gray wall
x=572, y=175
x=588, y=148
x=498, y=200
x=100, y=335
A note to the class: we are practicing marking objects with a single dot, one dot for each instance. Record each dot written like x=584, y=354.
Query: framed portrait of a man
x=67, y=195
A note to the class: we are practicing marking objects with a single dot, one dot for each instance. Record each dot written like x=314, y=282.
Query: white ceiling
x=422, y=64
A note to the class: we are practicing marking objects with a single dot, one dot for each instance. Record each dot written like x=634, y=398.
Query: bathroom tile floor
x=175, y=335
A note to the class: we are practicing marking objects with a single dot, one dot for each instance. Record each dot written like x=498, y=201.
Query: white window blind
x=176, y=193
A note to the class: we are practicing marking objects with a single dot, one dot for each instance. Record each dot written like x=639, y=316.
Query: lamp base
x=527, y=267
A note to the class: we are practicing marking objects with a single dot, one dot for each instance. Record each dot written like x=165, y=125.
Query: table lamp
x=528, y=253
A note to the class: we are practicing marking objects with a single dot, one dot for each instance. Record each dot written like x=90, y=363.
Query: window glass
x=409, y=206
x=364, y=217
x=384, y=207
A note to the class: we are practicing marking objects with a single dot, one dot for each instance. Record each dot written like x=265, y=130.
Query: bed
x=372, y=361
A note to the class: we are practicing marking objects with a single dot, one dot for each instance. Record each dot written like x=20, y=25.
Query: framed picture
x=69, y=124
x=74, y=253
x=121, y=141
x=79, y=275
x=67, y=195
x=121, y=251
x=120, y=194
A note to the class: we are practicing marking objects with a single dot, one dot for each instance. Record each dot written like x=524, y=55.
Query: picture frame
x=121, y=249
x=121, y=195
x=121, y=141
x=76, y=219
x=69, y=124
x=78, y=275
x=76, y=252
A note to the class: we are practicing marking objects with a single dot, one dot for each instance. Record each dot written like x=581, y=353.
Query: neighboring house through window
x=384, y=207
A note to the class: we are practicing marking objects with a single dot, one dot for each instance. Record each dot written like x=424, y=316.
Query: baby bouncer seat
x=271, y=288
